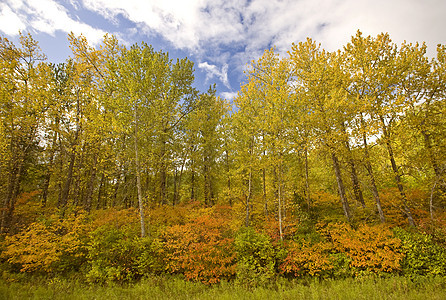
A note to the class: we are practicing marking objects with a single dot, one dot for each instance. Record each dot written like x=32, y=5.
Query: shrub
x=370, y=249
x=201, y=249
x=255, y=258
x=113, y=254
x=307, y=259
x=422, y=256
x=49, y=245
x=344, y=251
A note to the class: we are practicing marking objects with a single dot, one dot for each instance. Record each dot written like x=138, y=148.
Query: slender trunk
x=353, y=174
x=341, y=188
x=228, y=181
x=46, y=182
x=307, y=183
x=192, y=176
x=265, y=199
x=397, y=175
x=11, y=196
x=163, y=170
x=90, y=185
x=369, y=169
x=100, y=192
x=437, y=170
x=355, y=181
x=138, y=176
x=66, y=188
x=280, y=202
x=180, y=177
x=206, y=183
x=375, y=192
x=248, y=198
x=175, y=188
x=116, y=188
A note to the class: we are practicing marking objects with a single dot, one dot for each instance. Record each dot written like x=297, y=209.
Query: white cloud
x=208, y=26
x=10, y=23
x=232, y=32
x=228, y=95
x=214, y=71
x=46, y=16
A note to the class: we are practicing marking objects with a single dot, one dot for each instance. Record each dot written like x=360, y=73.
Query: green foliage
x=256, y=258
x=422, y=256
x=175, y=288
x=119, y=255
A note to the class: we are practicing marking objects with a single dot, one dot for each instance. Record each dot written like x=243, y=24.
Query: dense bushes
x=201, y=249
x=206, y=246
x=53, y=245
x=343, y=251
x=255, y=258
x=422, y=256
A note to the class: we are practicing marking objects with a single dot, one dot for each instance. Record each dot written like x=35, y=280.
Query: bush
x=51, y=245
x=370, y=249
x=202, y=249
x=117, y=254
x=256, y=259
x=343, y=252
x=422, y=256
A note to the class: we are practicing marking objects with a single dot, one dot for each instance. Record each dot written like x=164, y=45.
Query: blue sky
x=221, y=37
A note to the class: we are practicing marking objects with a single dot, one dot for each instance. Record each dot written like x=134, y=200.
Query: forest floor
x=176, y=288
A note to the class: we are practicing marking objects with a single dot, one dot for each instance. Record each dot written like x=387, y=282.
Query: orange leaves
x=370, y=249
x=307, y=259
x=201, y=249
x=45, y=245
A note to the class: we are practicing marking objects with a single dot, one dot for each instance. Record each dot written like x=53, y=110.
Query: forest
x=326, y=165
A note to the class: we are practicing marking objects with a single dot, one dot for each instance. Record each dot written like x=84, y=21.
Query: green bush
x=256, y=259
x=119, y=255
x=422, y=256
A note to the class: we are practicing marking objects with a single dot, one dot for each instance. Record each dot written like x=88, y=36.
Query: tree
x=23, y=95
x=315, y=72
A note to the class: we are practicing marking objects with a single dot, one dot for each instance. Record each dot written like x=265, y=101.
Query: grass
x=176, y=288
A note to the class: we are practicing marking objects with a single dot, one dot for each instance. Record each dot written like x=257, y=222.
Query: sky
x=221, y=37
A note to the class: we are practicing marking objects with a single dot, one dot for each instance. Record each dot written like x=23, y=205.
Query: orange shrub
x=201, y=249
x=308, y=259
x=370, y=248
x=54, y=245
x=345, y=251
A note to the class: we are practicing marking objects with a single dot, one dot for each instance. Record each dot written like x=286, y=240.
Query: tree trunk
x=248, y=198
x=341, y=188
x=90, y=185
x=11, y=197
x=138, y=176
x=48, y=173
x=163, y=170
x=369, y=169
x=265, y=199
x=307, y=183
x=399, y=183
x=100, y=192
x=66, y=188
x=353, y=174
x=280, y=202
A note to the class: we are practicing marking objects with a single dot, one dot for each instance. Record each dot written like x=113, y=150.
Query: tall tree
x=315, y=70
x=22, y=100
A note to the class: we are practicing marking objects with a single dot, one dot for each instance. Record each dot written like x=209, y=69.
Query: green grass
x=175, y=288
